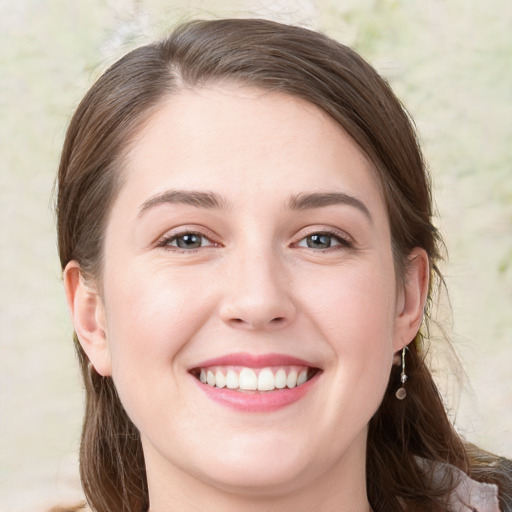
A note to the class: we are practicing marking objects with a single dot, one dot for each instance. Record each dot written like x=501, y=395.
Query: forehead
x=236, y=139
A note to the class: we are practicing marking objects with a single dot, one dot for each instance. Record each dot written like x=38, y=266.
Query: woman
x=245, y=231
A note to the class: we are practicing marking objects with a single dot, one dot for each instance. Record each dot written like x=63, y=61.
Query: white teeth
x=210, y=378
x=220, y=380
x=248, y=379
x=303, y=377
x=291, y=381
x=266, y=381
x=232, y=379
x=280, y=379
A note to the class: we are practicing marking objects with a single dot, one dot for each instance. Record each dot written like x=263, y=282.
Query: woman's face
x=249, y=246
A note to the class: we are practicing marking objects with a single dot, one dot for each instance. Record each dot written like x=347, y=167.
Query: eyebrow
x=212, y=200
x=208, y=200
x=320, y=200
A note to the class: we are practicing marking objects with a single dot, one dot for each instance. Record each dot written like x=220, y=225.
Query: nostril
x=277, y=321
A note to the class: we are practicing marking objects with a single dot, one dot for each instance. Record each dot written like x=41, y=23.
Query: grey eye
x=188, y=241
x=324, y=240
x=319, y=241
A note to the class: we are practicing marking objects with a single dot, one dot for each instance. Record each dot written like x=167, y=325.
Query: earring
x=401, y=392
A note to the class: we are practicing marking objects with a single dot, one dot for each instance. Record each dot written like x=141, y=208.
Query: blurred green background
x=450, y=61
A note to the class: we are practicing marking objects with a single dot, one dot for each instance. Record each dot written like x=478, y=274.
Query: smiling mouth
x=246, y=379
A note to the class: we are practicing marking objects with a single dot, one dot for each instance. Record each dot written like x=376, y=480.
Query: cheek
x=150, y=317
x=353, y=304
x=355, y=314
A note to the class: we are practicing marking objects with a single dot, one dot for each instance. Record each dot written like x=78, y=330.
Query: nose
x=258, y=294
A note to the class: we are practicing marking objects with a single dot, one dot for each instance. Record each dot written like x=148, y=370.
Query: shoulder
x=467, y=494
x=475, y=496
x=80, y=507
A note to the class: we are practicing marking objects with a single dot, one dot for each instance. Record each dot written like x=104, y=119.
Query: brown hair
x=333, y=77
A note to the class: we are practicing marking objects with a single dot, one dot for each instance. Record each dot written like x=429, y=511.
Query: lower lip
x=257, y=401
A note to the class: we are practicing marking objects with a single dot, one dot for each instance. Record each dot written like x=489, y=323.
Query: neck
x=342, y=488
x=219, y=500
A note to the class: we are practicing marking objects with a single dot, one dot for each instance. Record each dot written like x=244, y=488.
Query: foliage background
x=450, y=61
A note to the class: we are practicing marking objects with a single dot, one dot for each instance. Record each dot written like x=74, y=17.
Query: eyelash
x=165, y=242
x=343, y=241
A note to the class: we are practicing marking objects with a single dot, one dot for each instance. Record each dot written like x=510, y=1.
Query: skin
x=254, y=286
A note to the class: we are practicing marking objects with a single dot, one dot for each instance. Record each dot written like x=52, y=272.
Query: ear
x=412, y=298
x=88, y=315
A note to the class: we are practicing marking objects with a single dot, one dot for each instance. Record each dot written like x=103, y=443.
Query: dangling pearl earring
x=401, y=392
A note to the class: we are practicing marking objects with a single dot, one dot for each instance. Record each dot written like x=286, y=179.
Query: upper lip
x=254, y=361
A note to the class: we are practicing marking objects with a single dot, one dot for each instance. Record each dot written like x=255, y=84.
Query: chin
x=275, y=480
x=266, y=467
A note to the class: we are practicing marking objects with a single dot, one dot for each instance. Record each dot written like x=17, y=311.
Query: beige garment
x=469, y=495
